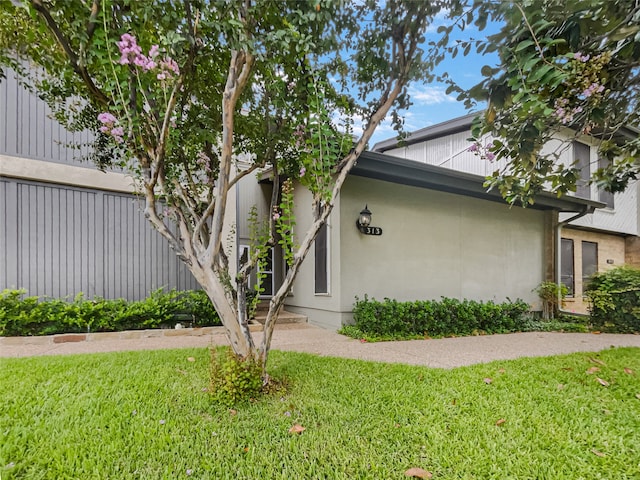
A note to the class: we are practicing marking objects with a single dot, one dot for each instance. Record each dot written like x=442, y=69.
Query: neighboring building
x=66, y=227
x=591, y=243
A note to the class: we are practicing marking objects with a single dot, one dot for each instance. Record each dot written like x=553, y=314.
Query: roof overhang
x=409, y=172
x=455, y=125
x=462, y=124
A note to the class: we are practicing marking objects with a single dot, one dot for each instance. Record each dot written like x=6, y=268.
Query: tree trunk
x=239, y=337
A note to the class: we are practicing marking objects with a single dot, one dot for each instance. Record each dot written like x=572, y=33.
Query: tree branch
x=244, y=173
x=240, y=68
x=95, y=92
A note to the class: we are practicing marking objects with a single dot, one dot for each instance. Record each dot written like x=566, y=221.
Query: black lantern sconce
x=364, y=223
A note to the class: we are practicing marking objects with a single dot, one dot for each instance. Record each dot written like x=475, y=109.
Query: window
x=582, y=161
x=265, y=274
x=566, y=265
x=589, y=262
x=321, y=261
x=243, y=258
x=603, y=195
x=265, y=269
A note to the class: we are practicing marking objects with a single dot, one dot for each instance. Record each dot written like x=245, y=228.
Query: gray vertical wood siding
x=59, y=241
x=27, y=128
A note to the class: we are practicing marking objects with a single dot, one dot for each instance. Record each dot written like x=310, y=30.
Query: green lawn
x=145, y=415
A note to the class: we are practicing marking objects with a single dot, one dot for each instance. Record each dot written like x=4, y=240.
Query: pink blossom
x=204, y=161
x=581, y=58
x=276, y=216
x=303, y=171
x=593, y=88
x=106, y=118
x=109, y=126
x=129, y=49
x=490, y=156
x=168, y=68
x=473, y=147
x=131, y=53
x=119, y=131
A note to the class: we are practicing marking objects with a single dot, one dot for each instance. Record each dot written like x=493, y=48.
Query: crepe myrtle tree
x=565, y=66
x=178, y=92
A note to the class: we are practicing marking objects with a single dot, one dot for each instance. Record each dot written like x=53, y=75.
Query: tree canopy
x=568, y=67
x=192, y=96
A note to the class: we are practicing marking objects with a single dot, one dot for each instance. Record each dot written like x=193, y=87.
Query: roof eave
x=455, y=125
x=408, y=172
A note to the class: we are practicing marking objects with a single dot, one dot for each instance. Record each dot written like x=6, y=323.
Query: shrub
x=233, y=379
x=446, y=317
x=22, y=315
x=615, y=300
x=549, y=293
x=564, y=326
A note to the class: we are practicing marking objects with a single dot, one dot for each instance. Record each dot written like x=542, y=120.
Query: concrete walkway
x=441, y=353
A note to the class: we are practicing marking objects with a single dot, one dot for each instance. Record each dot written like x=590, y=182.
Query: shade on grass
x=145, y=415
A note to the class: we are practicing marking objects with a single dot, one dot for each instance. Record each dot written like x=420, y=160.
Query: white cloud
x=429, y=95
x=340, y=119
x=441, y=19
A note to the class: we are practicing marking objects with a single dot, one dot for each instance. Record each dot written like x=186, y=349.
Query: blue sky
x=431, y=105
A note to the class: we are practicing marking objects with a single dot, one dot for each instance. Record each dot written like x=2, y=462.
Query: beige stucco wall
x=324, y=309
x=434, y=244
x=611, y=254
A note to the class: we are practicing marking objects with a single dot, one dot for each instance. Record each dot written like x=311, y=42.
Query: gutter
x=586, y=210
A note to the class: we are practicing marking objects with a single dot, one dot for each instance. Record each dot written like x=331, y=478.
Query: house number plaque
x=371, y=230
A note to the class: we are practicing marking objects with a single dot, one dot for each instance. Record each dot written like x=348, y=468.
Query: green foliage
x=532, y=325
x=549, y=293
x=99, y=416
x=233, y=379
x=615, y=300
x=285, y=222
x=564, y=64
x=437, y=318
x=20, y=315
x=190, y=97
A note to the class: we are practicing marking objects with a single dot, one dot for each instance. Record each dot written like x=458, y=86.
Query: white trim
x=241, y=247
x=50, y=172
x=268, y=272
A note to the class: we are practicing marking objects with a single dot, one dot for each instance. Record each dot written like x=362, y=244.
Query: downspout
x=587, y=210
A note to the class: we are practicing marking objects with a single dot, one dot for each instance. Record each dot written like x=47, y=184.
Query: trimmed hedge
x=22, y=316
x=615, y=300
x=432, y=318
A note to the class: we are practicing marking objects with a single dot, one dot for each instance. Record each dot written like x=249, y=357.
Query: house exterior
x=69, y=228
x=594, y=242
x=65, y=227
x=442, y=235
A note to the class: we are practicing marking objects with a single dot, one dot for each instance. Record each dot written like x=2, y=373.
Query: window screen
x=566, y=264
x=321, y=263
x=581, y=157
x=603, y=195
x=589, y=262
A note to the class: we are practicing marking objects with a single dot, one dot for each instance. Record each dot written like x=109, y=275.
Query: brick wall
x=611, y=253
x=632, y=251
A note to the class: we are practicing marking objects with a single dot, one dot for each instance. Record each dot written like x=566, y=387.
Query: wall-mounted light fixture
x=364, y=219
x=364, y=223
